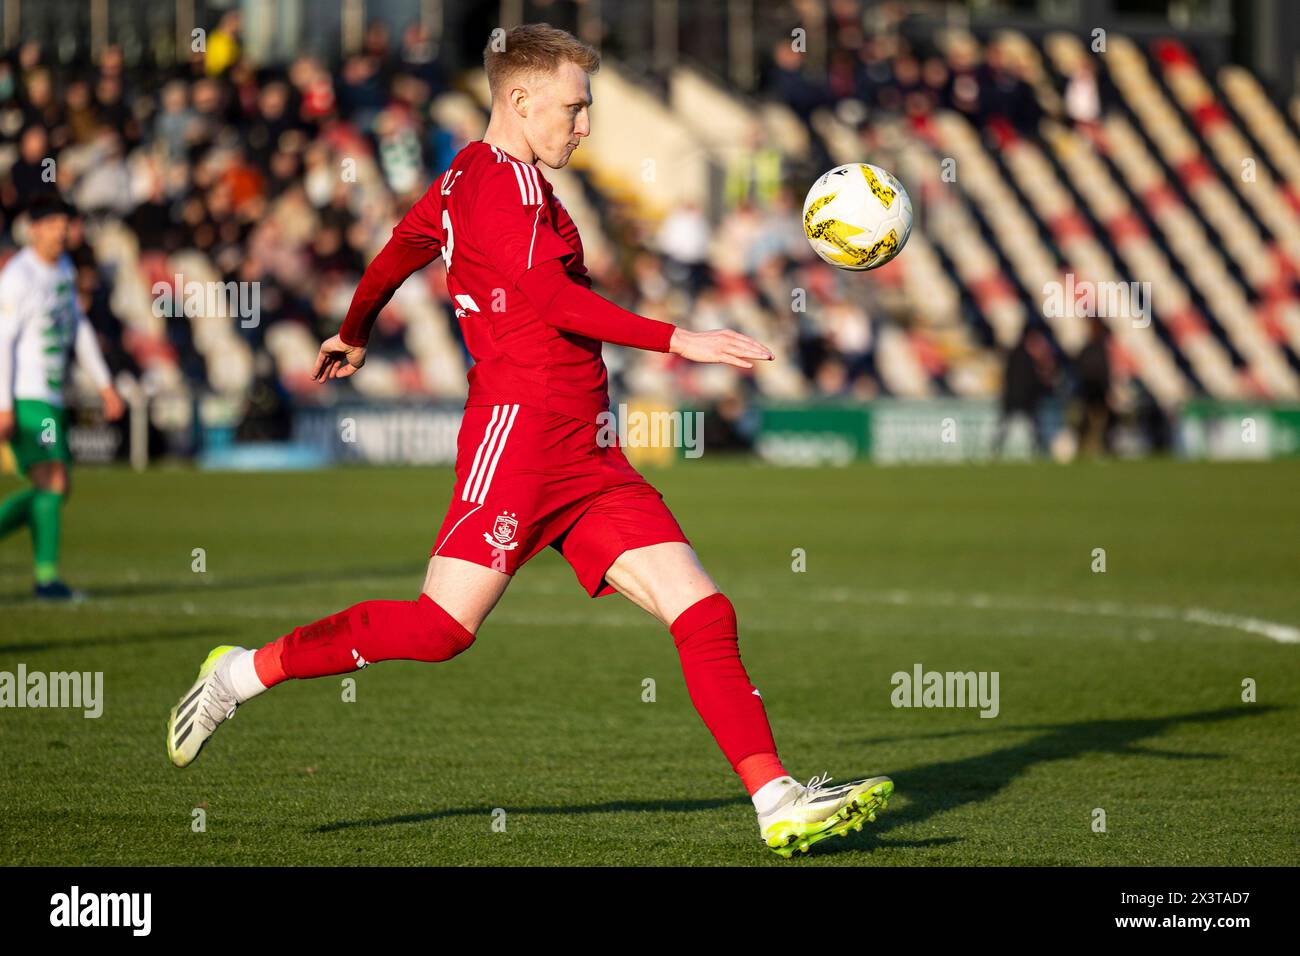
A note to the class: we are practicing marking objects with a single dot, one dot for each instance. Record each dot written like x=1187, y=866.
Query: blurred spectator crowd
x=291, y=176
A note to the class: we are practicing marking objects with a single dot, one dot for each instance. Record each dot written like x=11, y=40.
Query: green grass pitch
x=1119, y=690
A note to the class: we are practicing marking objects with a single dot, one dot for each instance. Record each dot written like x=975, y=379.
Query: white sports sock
x=772, y=794
x=243, y=676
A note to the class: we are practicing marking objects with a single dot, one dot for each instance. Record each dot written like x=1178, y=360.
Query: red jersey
x=494, y=218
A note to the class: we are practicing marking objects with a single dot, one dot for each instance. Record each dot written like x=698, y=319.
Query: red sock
x=266, y=661
x=706, y=638
x=758, y=769
x=364, y=634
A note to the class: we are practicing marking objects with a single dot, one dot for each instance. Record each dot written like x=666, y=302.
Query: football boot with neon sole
x=810, y=814
x=208, y=704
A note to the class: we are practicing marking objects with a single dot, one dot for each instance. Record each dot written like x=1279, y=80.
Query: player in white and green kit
x=41, y=328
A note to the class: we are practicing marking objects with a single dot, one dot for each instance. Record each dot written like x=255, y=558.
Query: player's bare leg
x=50, y=476
x=439, y=624
x=668, y=581
x=466, y=591
x=662, y=579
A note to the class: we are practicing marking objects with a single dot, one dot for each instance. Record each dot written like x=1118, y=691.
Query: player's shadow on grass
x=929, y=789
x=616, y=806
x=200, y=584
x=116, y=640
x=935, y=788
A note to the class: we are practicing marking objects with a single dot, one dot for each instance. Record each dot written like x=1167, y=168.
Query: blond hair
x=535, y=49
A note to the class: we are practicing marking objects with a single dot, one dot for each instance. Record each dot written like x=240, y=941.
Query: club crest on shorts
x=503, y=532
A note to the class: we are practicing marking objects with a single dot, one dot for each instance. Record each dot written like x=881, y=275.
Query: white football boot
x=208, y=704
x=809, y=814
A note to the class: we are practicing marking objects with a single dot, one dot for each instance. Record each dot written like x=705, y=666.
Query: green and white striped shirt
x=41, y=327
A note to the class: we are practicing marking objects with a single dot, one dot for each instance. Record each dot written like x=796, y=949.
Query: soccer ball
x=857, y=216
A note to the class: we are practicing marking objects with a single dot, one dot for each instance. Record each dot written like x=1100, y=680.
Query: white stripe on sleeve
x=519, y=181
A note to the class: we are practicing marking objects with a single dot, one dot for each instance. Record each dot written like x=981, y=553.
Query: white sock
x=243, y=676
x=772, y=794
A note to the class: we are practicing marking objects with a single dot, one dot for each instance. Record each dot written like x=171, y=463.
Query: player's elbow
x=548, y=289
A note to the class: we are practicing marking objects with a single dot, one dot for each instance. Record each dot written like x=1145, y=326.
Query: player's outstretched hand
x=337, y=359
x=114, y=407
x=6, y=425
x=722, y=346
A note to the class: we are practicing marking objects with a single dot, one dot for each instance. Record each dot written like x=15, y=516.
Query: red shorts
x=527, y=478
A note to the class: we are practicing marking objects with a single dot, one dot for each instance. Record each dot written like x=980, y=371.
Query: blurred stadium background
x=276, y=143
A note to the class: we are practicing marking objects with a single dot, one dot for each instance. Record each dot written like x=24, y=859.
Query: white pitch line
x=1282, y=633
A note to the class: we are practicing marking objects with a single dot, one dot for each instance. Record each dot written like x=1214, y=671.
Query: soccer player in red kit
x=532, y=470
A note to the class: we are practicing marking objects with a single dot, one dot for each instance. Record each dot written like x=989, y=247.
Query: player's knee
x=673, y=606
x=456, y=641
x=443, y=637
x=709, y=621
x=59, y=493
x=51, y=477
